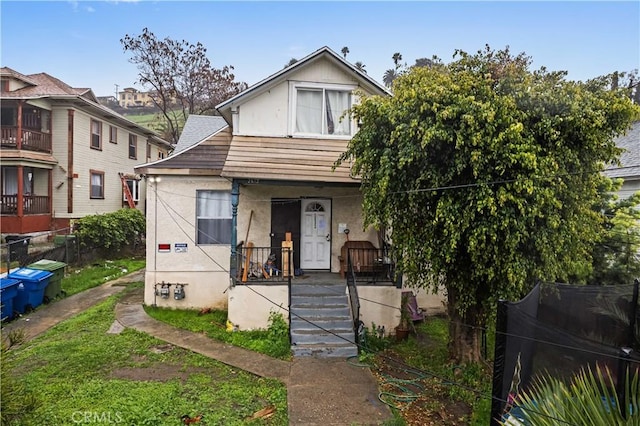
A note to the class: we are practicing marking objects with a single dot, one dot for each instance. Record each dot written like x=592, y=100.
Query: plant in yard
x=589, y=399
x=111, y=231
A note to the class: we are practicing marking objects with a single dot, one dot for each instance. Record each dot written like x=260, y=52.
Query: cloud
x=90, y=9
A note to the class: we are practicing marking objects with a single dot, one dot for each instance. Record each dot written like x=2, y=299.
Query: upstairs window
x=113, y=134
x=148, y=150
x=321, y=110
x=133, y=147
x=96, y=134
x=213, y=216
x=160, y=155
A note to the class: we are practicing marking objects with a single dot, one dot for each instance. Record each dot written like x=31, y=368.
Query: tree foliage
x=180, y=77
x=487, y=173
x=616, y=256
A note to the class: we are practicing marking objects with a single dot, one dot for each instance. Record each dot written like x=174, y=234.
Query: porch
x=25, y=127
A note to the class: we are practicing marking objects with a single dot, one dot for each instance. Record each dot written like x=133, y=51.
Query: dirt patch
x=156, y=373
x=421, y=399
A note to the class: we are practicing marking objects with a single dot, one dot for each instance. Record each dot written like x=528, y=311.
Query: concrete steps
x=321, y=324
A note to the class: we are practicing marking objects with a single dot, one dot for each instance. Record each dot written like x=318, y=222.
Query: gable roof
x=45, y=86
x=202, y=148
x=363, y=79
x=630, y=158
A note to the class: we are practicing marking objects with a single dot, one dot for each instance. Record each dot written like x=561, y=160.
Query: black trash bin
x=18, y=246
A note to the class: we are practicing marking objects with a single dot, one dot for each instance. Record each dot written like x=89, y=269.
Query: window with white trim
x=320, y=110
x=213, y=216
x=113, y=134
x=134, y=188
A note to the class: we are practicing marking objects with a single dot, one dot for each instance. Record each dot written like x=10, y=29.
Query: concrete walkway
x=319, y=391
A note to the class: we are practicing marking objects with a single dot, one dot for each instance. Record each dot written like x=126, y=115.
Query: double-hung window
x=213, y=215
x=321, y=110
x=113, y=134
x=133, y=146
x=96, y=134
x=97, y=184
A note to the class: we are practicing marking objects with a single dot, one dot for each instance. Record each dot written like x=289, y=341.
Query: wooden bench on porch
x=363, y=257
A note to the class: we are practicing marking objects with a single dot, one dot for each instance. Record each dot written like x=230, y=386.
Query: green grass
x=273, y=341
x=72, y=371
x=82, y=278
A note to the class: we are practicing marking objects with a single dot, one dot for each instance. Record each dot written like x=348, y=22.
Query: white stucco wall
x=248, y=309
x=171, y=216
x=380, y=305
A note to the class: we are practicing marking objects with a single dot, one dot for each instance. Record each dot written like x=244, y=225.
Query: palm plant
x=360, y=66
x=345, y=51
x=589, y=399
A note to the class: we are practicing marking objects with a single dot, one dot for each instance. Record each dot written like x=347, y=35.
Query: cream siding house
x=65, y=156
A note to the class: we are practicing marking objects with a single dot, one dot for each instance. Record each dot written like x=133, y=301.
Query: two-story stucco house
x=64, y=155
x=250, y=214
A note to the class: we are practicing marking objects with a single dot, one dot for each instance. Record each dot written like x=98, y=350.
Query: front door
x=315, y=238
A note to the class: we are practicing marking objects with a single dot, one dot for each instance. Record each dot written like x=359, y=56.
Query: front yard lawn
x=80, y=373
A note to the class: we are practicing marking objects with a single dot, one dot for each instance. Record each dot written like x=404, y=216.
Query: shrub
x=111, y=231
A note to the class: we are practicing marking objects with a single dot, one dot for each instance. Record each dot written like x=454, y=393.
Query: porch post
x=235, y=198
x=50, y=192
x=20, y=200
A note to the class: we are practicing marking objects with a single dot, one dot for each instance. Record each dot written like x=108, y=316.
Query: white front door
x=315, y=238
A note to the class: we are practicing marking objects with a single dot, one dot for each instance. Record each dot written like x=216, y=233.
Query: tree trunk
x=465, y=332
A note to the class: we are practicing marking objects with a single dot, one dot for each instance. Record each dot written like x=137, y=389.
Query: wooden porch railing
x=31, y=204
x=31, y=140
x=262, y=265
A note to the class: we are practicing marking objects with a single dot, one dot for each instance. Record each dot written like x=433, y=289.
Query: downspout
x=235, y=198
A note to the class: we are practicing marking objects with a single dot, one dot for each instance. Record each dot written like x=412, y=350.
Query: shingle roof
x=198, y=128
x=630, y=158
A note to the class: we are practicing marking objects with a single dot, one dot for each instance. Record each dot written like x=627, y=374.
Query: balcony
x=30, y=140
x=31, y=204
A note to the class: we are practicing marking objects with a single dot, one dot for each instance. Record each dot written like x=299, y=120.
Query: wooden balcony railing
x=31, y=204
x=31, y=140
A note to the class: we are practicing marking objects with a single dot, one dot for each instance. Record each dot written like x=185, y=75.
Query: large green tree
x=487, y=173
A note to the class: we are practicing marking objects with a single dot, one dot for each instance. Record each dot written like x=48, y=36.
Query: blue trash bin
x=34, y=283
x=8, y=292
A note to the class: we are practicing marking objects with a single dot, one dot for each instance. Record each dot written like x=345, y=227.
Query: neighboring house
x=266, y=175
x=629, y=168
x=133, y=98
x=65, y=156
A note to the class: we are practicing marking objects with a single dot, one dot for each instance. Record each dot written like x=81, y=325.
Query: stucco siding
x=171, y=216
x=268, y=113
x=346, y=208
x=380, y=306
x=248, y=309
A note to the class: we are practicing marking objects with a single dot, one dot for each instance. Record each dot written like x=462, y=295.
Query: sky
x=79, y=41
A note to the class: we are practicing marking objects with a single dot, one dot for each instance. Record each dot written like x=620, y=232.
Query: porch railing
x=32, y=140
x=31, y=204
x=264, y=265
